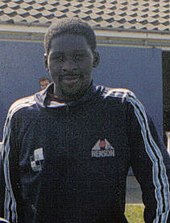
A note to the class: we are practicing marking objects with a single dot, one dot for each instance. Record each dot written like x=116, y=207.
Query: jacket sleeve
x=2, y=186
x=150, y=162
x=10, y=157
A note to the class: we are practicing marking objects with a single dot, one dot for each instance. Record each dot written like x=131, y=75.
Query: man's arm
x=150, y=162
x=2, y=188
x=10, y=169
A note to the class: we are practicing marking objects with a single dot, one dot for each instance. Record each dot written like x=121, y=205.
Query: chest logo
x=37, y=159
x=102, y=149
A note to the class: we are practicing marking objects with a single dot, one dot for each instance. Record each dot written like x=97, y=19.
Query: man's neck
x=61, y=97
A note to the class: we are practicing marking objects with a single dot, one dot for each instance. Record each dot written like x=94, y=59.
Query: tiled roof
x=104, y=14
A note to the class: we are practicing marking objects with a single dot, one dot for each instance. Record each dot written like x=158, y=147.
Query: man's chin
x=72, y=94
x=70, y=89
x=74, y=91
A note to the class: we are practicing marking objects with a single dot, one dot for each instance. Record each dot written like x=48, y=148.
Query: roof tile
x=26, y=6
x=54, y=3
x=3, y=5
x=17, y=1
x=127, y=14
x=13, y=5
x=42, y=2
x=39, y=7
x=6, y=1
x=29, y=1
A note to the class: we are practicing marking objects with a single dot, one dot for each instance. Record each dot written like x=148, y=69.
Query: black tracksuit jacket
x=68, y=163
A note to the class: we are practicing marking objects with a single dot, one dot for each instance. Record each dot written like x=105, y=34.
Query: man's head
x=70, y=57
x=44, y=82
x=70, y=26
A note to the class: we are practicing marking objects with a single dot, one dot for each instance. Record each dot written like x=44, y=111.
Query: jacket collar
x=42, y=98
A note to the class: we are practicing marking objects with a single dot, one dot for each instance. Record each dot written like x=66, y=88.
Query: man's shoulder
x=20, y=104
x=118, y=90
x=117, y=93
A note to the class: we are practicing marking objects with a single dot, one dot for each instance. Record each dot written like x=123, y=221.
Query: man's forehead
x=66, y=50
x=69, y=41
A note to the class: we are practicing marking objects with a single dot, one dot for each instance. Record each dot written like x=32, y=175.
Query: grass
x=134, y=213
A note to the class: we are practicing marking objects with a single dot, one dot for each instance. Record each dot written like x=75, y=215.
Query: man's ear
x=96, y=60
x=45, y=61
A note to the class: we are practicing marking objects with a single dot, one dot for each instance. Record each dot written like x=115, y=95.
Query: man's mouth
x=70, y=79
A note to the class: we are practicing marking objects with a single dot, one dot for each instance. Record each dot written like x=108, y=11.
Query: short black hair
x=73, y=26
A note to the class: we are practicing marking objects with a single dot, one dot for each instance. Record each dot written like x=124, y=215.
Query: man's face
x=70, y=61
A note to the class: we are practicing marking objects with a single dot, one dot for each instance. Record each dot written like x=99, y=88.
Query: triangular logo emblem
x=102, y=149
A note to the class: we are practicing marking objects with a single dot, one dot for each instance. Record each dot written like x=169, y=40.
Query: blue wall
x=135, y=68
x=21, y=65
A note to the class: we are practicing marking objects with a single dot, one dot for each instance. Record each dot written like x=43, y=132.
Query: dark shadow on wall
x=166, y=92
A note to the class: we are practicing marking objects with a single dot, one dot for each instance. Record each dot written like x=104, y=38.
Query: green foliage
x=134, y=213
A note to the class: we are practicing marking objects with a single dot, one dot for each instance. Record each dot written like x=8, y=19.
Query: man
x=55, y=170
x=44, y=82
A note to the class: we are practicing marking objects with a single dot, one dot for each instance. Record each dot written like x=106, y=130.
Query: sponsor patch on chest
x=37, y=159
x=102, y=149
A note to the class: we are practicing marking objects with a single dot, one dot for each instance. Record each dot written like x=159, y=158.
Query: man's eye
x=59, y=58
x=78, y=57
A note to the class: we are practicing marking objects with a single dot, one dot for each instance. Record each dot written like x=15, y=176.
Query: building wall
x=166, y=91
x=138, y=69
x=21, y=66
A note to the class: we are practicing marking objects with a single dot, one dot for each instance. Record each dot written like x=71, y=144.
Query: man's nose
x=69, y=66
